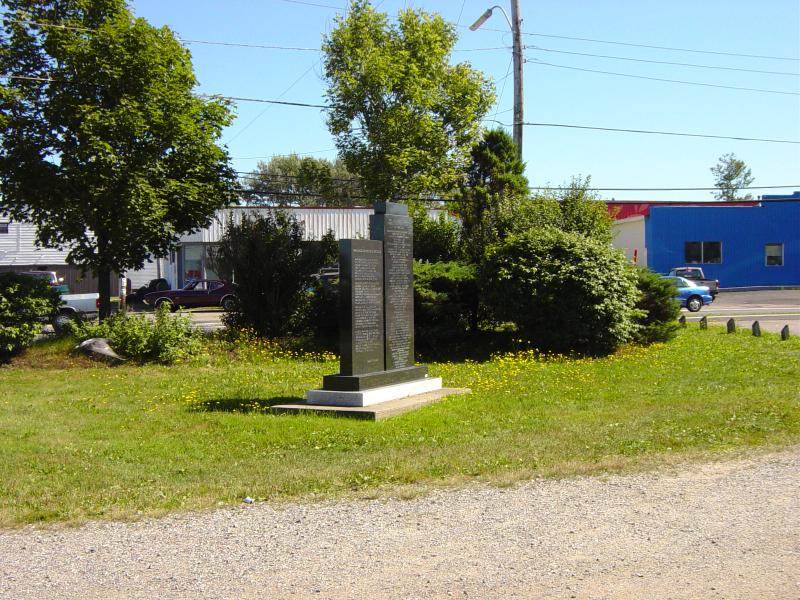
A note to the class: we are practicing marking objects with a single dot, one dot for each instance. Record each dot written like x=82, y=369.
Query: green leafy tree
x=574, y=209
x=731, y=175
x=404, y=118
x=489, y=200
x=435, y=239
x=297, y=181
x=104, y=146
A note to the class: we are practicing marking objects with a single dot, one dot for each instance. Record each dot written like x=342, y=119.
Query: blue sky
x=552, y=94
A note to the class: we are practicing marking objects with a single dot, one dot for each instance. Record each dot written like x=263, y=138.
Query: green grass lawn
x=83, y=441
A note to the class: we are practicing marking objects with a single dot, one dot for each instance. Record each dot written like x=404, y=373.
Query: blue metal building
x=741, y=246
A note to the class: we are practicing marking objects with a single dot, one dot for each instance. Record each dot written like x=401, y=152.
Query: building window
x=773, y=255
x=3, y=227
x=703, y=252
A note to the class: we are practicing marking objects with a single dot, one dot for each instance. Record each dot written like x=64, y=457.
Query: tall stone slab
x=361, y=328
x=376, y=320
x=392, y=225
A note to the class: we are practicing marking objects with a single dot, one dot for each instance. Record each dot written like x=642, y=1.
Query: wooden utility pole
x=518, y=64
x=514, y=23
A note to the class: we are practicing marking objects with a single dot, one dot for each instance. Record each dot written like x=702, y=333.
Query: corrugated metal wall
x=344, y=222
x=18, y=250
x=742, y=231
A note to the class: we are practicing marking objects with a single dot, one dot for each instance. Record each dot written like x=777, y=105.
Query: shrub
x=273, y=268
x=565, y=292
x=322, y=313
x=444, y=294
x=435, y=239
x=166, y=339
x=25, y=304
x=660, y=309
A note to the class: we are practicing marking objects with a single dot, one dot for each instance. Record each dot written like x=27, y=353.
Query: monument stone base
x=376, y=412
x=375, y=395
x=357, y=383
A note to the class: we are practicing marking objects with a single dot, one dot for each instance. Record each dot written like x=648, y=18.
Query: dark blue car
x=690, y=295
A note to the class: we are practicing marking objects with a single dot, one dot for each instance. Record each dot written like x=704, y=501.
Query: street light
x=485, y=17
x=514, y=24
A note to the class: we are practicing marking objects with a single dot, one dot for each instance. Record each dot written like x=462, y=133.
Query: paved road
x=207, y=320
x=724, y=530
x=772, y=309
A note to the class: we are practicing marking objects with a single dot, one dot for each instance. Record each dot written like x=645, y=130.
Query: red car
x=201, y=292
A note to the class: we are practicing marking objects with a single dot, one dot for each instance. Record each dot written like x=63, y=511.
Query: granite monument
x=376, y=317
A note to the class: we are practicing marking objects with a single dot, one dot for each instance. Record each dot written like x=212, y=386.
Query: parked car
x=696, y=275
x=154, y=285
x=691, y=296
x=202, y=292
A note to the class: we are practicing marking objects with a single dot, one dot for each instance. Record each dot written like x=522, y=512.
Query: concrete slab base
x=376, y=395
x=374, y=412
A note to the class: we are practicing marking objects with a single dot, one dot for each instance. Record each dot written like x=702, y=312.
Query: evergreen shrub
x=444, y=293
x=660, y=309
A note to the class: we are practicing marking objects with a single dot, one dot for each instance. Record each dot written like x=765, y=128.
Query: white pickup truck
x=73, y=306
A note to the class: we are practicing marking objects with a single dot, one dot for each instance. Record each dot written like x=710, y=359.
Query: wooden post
x=682, y=321
x=756, y=329
x=731, y=326
x=785, y=333
x=704, y=323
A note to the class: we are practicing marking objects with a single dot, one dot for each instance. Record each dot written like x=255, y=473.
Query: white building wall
x=18, y=247
x=344, y=222
x=629, y=237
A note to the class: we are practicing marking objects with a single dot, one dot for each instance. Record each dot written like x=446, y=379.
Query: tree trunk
x=104, y=289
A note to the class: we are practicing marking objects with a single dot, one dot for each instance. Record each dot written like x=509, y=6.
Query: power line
x=677, y=189
x=266, y=177
x=264, y=101
x=245, y=45
x=529, y=124
x=656, y=132
x=283, y=93
x=528, y=33
x=256, y=175
x=503, y=89
x=314, y=4
x=703, y=84
x=230, y=44
x=650, y=46
x=50, y=25
x=664, y=62
x=282, y=155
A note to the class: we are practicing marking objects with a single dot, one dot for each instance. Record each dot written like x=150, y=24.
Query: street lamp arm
x=485, y=16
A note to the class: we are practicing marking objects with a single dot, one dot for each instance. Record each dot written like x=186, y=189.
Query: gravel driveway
x=723, y=530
